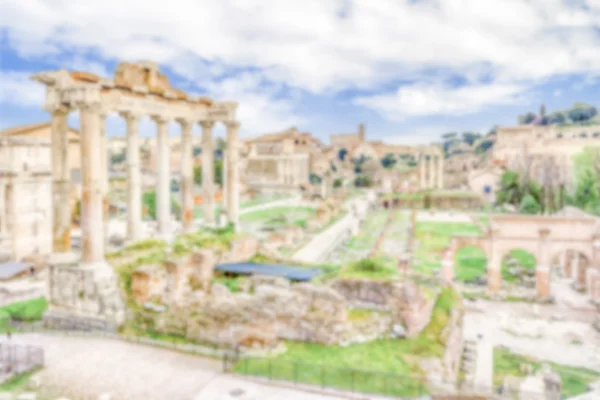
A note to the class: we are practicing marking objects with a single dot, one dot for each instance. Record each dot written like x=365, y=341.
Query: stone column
x=233, y=179
x=448, y=265
x=61, y=183
x=574, y=265
x=224, y=180
x=422, y=161
x=208, y=193
x=596, y=252
x=163, y=178
x=431, y=170
x=92, y=231
x=134, y=181
x=104, y=177
x=494, y=267
x=440, y=172
x=562, y=261
x=542, y=270
x=187, y=176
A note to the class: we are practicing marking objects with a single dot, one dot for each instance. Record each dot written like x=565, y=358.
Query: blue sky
x=410, y=70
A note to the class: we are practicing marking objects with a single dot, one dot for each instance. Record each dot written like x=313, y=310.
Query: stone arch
x=456, y=243
x=524, y=263
x=573, y=261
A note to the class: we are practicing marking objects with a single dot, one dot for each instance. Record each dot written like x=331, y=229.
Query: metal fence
x=17, y=359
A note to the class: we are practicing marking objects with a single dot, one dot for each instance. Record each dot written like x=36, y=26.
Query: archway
x=519, y=268
x=470, y=263
x=573, y=265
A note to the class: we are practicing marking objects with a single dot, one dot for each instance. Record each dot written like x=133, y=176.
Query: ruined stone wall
x=453, y=340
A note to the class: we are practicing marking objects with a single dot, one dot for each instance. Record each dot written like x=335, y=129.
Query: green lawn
x=469, y=263
x=524, y=259
x=433, y=237
x=386, y=366
x=368, y=235
x=279, y=216
x=382, y=268
x=574, y=380
x=30, y=310
x=17, y=382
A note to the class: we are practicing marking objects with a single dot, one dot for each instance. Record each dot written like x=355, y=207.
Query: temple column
x=431, y=170
x=92, y=231
x=494, y=267
x=422, y=161
x=208, y=193
x=61, y=182
x=440, y=172
x=562, y=261
x=574, y=265
x=163, y=178
x=104, y=178
x=134, y=181
x=224, y=180
x=542, y=270
x=187, y=176
x=232, y=188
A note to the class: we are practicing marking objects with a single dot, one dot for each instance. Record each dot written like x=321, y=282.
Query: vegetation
x=574, y=380
x=371, y=268
x=18, y=381
x=218, y=172
x=26, y=311
x=149, y=204
x=387, y=366
x=279, y=216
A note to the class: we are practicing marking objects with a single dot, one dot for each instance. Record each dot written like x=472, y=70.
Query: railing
x=17, y=359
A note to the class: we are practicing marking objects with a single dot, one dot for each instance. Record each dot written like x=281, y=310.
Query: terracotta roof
x=85, y=76
x=22, y=130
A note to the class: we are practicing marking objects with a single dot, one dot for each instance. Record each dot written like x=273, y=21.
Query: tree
x=388, y=161
x=470, y=137
x=342, y=154
x=557, y=117
x=587, y=176
x=149, y=202
x=542, y=111
x=218, y=173
x=449, y=136
x=529, y=205
x=338, y=182
x=527, y=118
x=484, y=146
x=362, y=181
x=582, y=112
x=510, y=190
x=118, y=158
x=314, y=178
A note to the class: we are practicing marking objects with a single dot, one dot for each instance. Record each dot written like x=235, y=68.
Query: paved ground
x=87, y=367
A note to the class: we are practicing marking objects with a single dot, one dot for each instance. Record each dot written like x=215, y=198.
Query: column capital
x=207, y=124
x=184, y=122
x=160, y=119
x=58, y=110
x=84, y=98
x=131, y=115
x=232, y=124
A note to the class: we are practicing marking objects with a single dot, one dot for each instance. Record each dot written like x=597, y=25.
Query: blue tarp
x=286, y=271
x=9, y=270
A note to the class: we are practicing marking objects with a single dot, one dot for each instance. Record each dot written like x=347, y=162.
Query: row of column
x=431, y=171
x=292, y=171
x=94, y=170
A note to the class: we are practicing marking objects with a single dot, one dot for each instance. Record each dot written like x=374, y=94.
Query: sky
x=410, y=70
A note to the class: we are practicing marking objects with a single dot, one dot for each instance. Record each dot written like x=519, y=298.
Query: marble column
x=233, y=178
x=431, y=170
x=104, y=177
x=440, y=172
x=542, y=270
x=187, y=176
x=163, y=178
x=422, y=161
x=92, y=231
x=61, y=183
x=562, y=261
x=224, y=180
x=134, y=181
x=574, y=265
x=208, y=193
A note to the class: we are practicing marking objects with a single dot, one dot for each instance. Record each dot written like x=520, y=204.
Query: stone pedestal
x=84, y=295
x=542, y=281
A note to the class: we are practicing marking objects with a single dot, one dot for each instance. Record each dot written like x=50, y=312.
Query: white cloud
x=438, y=99
x=512, y=45
x=16, y=88
x=307, y=45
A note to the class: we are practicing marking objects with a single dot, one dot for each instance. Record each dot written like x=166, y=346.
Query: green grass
x=433, y=237
x=380, y=268
x=385, y=366
x=278, y=216
x=524, y=259
x=574, y=380
x=18, y=381
x=27, y=311
x=470, y=263
x=235, y=285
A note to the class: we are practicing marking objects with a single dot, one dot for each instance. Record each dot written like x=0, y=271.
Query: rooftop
x=11, y=269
